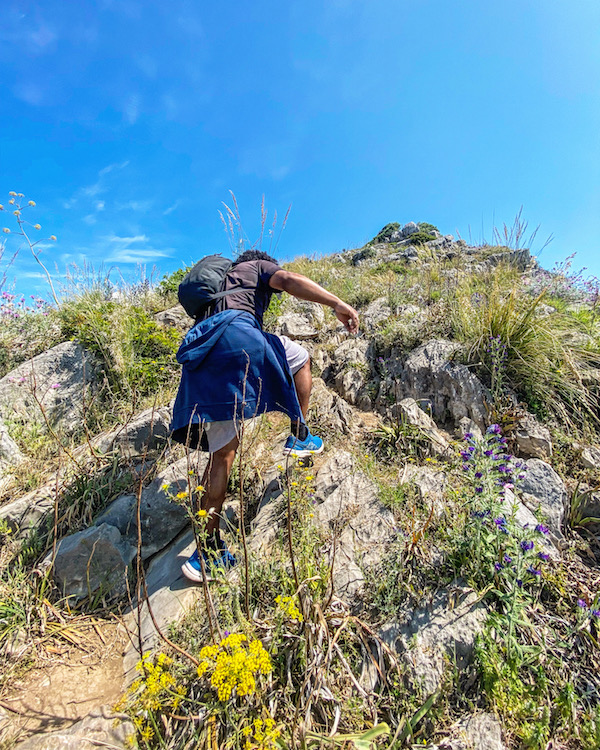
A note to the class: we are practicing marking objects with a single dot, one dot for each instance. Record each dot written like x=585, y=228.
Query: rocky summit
x=432, y=579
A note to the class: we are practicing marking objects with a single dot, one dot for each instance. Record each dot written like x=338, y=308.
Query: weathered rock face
x=430, y=483
x=352, y=369
x=408, y=410
x=10, y=455
x=543, y=488
x=304, y=321
x=359, y=525
x=377, y=312
x=61, y=379
x=161, y=518
x=102, y=728
x=325, y=405
x=432, y=635
x=147, y=431
x=174, y=317
x=29, y=511
x=93, y=559
x=533, y=439
x=590, y=457
x=473, y=732
x=452, y=389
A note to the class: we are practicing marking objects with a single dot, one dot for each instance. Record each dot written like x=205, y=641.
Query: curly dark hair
x=253, y=255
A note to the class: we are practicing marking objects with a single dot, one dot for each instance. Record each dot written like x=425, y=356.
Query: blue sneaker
x=215, y=564
x=296, y=447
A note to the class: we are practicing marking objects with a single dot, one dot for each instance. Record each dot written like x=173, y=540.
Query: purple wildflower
x=541, y=529
x=507, y=559
x=526, y=544
x=478, y=475
x=543, y=555
x=582, y=604
x=596, y=612
x=497, y=567
x=478, y=490
x=533, y=571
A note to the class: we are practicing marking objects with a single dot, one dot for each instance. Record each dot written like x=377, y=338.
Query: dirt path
x=67, y=684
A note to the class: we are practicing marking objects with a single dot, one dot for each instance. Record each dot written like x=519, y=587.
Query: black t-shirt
x=252, y=278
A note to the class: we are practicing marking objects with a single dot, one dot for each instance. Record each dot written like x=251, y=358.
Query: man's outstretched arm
x=303, y=288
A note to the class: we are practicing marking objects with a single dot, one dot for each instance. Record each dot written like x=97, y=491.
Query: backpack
x=203, y=284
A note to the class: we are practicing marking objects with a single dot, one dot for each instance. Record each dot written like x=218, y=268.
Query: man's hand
x=347, y=315
x=304, y=288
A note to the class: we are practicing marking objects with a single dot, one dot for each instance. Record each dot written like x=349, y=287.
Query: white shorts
x=219, y=434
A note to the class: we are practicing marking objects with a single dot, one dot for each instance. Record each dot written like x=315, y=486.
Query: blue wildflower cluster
x=500, y=546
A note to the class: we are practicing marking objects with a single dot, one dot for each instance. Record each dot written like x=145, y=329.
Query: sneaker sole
x=194, y=575
x=302, y=453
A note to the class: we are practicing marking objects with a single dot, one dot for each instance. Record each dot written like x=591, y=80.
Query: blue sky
x=129, y=121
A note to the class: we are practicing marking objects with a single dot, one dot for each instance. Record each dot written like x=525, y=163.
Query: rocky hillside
x=431, y=580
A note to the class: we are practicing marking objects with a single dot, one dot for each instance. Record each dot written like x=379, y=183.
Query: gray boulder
x=451, y=387
x=93, y=559
x=161, y=518
x=352, y=372
x=473, y=732
x=429, y=483
x=174, y=317
x=146, y=431
x=432, y=636
x=377, y=312
x=29, y=511
x=102, y=728
x=332, y=411
x=10, y=455
x=409, y=229
x=304, y=321
x=533, y=439
x=358, y=525
x=61, y=380
x=590, y=457
x=410, y=413
x=542, y=488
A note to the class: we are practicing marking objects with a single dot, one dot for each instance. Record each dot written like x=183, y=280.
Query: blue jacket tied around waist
x=232, y=369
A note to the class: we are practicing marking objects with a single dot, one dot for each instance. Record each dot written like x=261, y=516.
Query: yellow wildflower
x=12, y=192
x=6, y=230
x=181, y=495
x=202, y=513
x=53, y=237
x=165, y=487
x=37, y=226
x=31, y=203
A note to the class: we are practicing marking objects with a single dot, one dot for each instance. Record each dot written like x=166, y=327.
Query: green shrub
x=170, y=282
x=425, y=226
x=386, y=232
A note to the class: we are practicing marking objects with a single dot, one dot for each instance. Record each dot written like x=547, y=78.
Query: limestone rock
x=352, y=367
x=533, y=439
x=590, y=457
x=10, y=455
x=432, y=635
x=543, y=488
x=174, y=317
x=102, y=728
x=329, y=409
x=29, y=511
x=360, y=528
x=377, y=312
x=452, y=388
x=93, y=559
x=333, y=472
x=430, y=484
x=409, y=411
x=409, y=229
x=161, y=518
x=146, y=431
x=61, y=379
x=171, y=595
x=304, y=321
x=474, y=732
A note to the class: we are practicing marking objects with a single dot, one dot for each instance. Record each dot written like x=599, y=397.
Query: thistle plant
x=17, y=205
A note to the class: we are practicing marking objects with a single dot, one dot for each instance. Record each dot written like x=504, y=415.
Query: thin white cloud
x=99, y=205
x=172, y=208
x=90, y=219
x=30, y=93
x=143, y=206
x=134, y=255
x=112, y=167
x=126, y=241
x=132, y=109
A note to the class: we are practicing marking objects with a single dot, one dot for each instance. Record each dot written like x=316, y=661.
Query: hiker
x=233, y=370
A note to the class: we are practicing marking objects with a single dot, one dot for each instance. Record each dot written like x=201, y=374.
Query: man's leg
x=214, y=481
x=303, y=382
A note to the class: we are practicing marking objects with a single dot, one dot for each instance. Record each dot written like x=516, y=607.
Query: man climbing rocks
x=233, y=370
